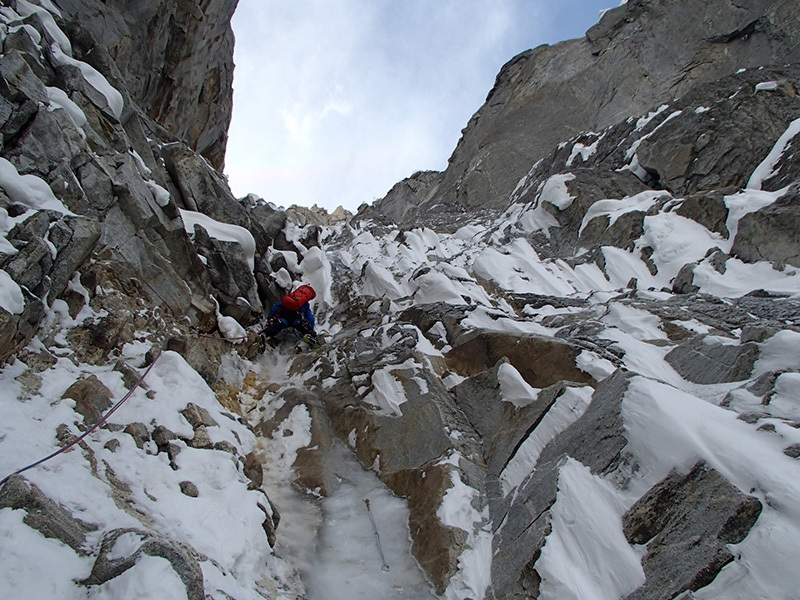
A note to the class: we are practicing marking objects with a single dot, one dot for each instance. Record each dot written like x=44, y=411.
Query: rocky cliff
x=638, y=56
x=566, y=367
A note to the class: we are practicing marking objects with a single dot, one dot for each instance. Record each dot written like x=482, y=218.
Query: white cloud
x=337, y=100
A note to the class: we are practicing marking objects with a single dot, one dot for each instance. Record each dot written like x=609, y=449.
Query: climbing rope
x=113, y=409
x=102, y=420
x=385, y=567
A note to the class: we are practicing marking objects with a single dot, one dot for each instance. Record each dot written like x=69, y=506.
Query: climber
x=293, y=311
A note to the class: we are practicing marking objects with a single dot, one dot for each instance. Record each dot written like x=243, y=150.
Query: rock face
x=573, y=352
x=638, y=56
x=687, y=522
x=176, y=59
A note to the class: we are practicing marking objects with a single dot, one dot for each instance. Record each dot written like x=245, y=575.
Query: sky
x=335, y=101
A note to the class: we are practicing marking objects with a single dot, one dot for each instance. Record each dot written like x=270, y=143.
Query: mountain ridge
x=579, y=380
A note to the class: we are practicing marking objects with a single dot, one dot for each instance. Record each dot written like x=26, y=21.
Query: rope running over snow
x=102, y=420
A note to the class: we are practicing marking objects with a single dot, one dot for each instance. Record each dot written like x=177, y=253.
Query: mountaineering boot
x=311, y=340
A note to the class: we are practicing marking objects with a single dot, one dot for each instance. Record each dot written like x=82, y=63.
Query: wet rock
x=687, y=521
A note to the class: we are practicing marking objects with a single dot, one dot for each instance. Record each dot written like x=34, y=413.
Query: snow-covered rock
x=566, y=367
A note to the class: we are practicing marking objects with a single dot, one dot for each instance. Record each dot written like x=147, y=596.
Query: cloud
x=337, y=100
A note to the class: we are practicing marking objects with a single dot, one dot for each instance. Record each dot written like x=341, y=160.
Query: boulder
x=43, y=514
x=687, y=522
x=541, y=361
x=770, y=233
x=709, y=361
x=116, y=556
x=92, y=398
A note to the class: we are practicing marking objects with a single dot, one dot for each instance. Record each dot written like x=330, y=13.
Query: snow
x=11, y=299
x=766, y=169
x=225, y=232
x=388, y=393
x=555, y=191
x=614, y=209
x=28, y=190
x=585, y=152
x=567, y=409
x=94, y=78
x=639, y=323
x=150, y=577
x=59, y=99
x=766, y=86
x=316, y=270
x=223, y=522
x=327, y=548
x=161, y=195
x=668, y=428
x=593, y=561
x=513, y=388
x=62, y=42
x=598, y=368
x=228, y=326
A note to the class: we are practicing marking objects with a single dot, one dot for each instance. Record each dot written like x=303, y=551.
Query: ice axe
x=385, y=567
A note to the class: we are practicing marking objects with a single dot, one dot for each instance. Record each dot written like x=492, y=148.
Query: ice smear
x=593, y=561
x=342, y=561
x=458, y=510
